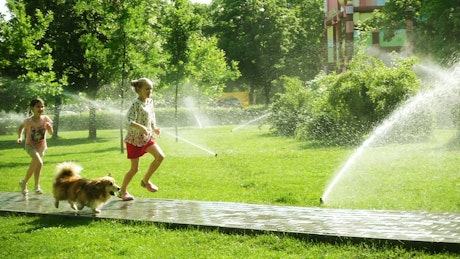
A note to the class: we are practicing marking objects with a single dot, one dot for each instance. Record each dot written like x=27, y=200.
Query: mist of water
x=86, y=103
x=382, y=150
x=251, y=121
x=192, y=108
x=200, y=147
x=10, y=121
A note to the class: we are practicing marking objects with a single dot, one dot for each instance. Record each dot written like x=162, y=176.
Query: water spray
x=446, y=83
x=344, y=169
x=95, y=103
x=251, y=121
x=200, y=125
x=193, y=109
x=191, y=143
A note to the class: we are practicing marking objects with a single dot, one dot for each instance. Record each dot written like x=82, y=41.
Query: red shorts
x=136, y=152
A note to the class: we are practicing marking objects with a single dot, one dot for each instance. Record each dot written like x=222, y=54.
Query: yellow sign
x=243, y=97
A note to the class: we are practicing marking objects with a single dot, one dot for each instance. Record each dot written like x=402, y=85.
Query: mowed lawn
x=251, y=166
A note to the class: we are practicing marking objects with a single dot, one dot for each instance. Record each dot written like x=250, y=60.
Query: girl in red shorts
x=139, y=139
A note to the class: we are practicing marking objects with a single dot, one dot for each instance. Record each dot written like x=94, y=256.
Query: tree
x=25, y=58
x=207, y=66
x=132, y=48
x=179, y=23
x=304, y=58
x=100, y=43
x=261, y=36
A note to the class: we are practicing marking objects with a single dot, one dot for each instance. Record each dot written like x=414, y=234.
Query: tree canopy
x=269, y=39
x=56, y=48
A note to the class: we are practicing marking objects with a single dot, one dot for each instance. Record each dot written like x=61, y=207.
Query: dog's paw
x=97, y=211
x=56, y=204
x=73, y=206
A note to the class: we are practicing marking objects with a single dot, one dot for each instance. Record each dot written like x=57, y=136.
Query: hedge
x=165, y=118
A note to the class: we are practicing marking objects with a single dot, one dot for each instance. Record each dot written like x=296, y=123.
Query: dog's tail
x=67, y=169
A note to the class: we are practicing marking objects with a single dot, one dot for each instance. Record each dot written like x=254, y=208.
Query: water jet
x=386, y=161
x=251, y=121
x=192, y=144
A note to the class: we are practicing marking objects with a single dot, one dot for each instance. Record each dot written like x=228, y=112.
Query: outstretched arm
x=49, y=128
x=20, y=131
x=49, y=125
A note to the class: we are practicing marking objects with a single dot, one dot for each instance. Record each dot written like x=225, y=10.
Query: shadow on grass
x=76, y=141
x=72, y=152
x=13, y=164
x=5, y=144
x=303, y=145
x=46, y=221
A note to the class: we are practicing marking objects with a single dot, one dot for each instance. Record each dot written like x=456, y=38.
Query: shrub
x=343, y=108
x=325, y=129
x=166, y=117
x=291, y=109
x=80, y=121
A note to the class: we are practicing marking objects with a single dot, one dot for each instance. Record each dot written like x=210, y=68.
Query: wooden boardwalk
x=426, y=230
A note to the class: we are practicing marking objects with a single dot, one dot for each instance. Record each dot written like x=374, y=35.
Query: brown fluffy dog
x=81, y=192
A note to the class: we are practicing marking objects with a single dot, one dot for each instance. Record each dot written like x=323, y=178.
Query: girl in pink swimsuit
x=36, y=127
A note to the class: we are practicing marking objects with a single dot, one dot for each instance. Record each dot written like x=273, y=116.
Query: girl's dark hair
x=35, y=101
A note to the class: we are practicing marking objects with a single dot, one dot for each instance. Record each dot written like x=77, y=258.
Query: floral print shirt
x=142, y=113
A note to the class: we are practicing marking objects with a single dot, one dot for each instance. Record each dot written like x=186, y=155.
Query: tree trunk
x=92, y=123
x=57, y=111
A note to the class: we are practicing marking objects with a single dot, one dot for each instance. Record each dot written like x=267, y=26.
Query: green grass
x=251, y=167
x=412, y=176
x=55, y=237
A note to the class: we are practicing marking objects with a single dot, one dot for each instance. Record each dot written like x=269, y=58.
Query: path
x=434, y=231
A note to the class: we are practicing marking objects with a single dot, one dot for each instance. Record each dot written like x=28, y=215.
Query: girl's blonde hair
x=137, y=84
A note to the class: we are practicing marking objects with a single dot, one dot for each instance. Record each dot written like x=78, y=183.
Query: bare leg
x=159, y=156
x=130, y=174
x=38, y=171
x=34, y=168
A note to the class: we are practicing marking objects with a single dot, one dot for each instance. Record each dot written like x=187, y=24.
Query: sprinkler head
x=215, y=154
x=321, y=200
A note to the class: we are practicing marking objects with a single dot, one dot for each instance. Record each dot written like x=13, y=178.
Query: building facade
x=341, y=16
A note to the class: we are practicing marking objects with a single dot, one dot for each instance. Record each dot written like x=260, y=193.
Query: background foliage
x=436, y=26
x=271, y=48
x=342, y=108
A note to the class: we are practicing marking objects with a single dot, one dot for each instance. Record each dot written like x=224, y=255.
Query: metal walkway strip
x=426, y=229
